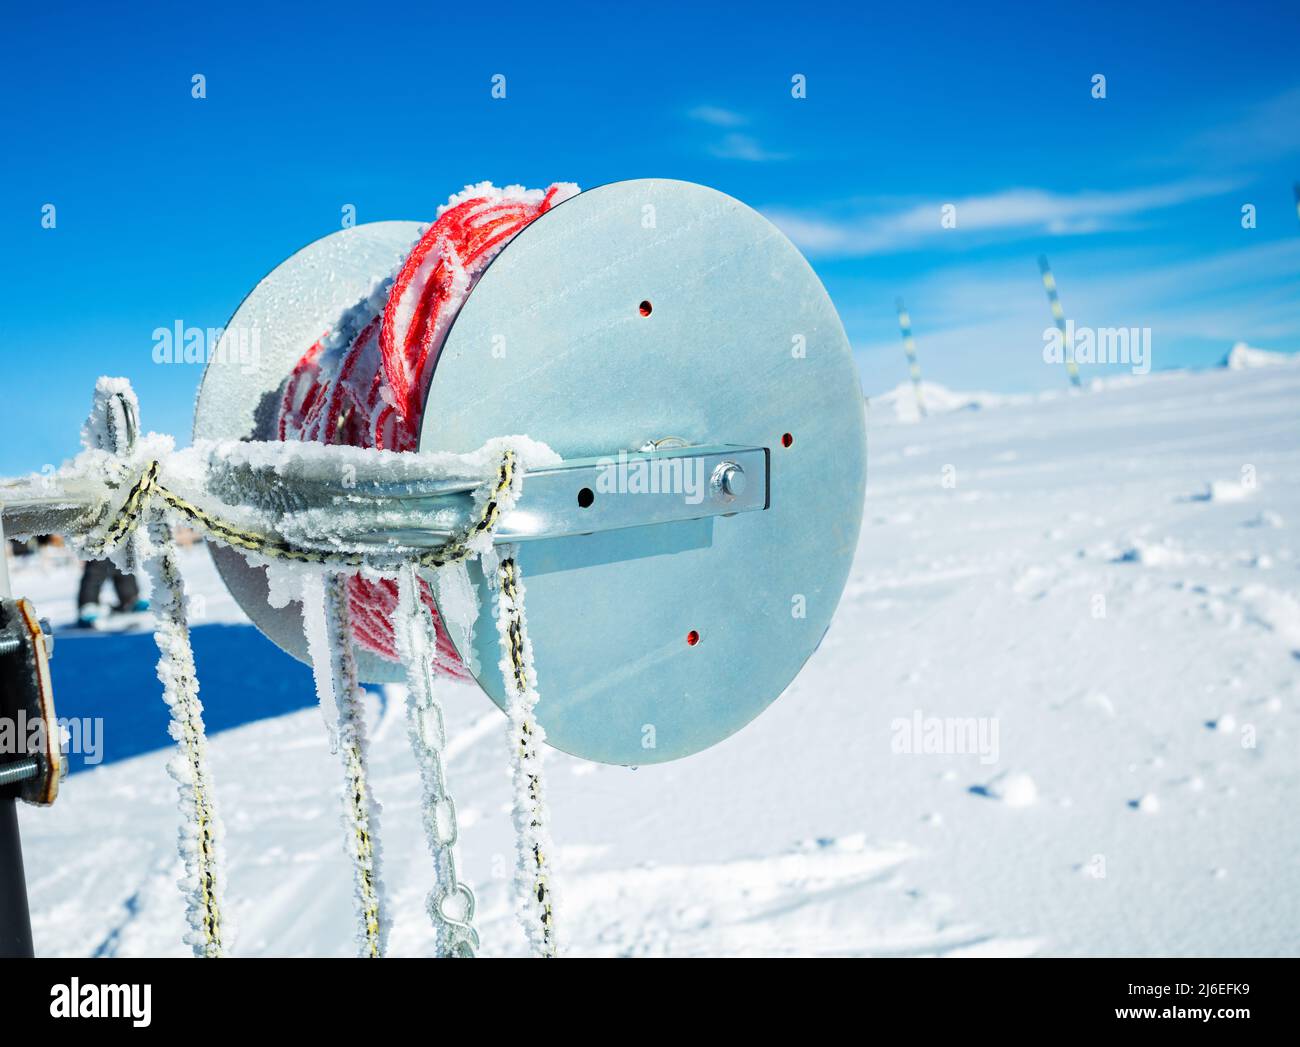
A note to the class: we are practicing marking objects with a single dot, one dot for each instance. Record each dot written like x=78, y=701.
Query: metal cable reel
x=681, y=356
x=682, y=497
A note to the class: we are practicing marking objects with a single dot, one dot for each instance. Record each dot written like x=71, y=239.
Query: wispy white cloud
x=718, y=116
x=734, y=144
x=842, y=230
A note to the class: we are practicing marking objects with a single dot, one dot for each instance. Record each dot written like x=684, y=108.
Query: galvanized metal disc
x=741, y=345
x=282, y=317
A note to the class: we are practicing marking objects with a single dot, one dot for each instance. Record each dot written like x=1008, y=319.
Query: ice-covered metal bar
x=319, y=504
x=48, y=505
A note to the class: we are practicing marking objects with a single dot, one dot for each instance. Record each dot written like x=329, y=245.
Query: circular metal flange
x=629, y=313
x=239, y=399
x=740, y=345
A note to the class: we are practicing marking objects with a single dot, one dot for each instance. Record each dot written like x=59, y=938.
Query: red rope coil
x=364, y=383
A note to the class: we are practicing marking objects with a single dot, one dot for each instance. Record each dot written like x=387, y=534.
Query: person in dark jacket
x=93, y=577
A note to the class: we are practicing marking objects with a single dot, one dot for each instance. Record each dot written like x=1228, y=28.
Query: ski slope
x=1135, y=789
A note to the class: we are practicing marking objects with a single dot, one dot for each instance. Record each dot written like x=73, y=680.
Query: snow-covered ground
x=1107, y=585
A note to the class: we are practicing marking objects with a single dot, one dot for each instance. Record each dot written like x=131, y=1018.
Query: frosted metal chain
x=450, y=903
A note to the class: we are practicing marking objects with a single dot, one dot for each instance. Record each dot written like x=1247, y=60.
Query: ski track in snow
x=1097, y=577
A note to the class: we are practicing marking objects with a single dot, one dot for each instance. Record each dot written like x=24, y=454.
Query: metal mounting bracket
x=578, y=496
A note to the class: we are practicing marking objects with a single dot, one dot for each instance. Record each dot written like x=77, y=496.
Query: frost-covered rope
x=329, y=636
x=110, y=436
x=329, y=642
x=450, y=903
x=113, y=528
x=532, y=824
x=148, y=488
x=200, y=835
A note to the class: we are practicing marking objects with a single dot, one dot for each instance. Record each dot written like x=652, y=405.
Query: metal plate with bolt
x=30, y=760
x=664, y=619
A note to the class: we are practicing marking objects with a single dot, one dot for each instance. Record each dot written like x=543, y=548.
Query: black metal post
x=15, y=920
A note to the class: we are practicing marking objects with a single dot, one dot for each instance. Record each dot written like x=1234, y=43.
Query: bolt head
x=729, y=480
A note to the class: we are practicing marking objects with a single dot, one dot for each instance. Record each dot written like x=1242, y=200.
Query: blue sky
x=171, y=208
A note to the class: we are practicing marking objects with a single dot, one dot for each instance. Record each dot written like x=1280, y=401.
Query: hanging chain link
x=450, y=903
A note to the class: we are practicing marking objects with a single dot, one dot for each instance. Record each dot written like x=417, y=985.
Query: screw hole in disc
x=585, y=497
x=692, y=638
x=646, y=308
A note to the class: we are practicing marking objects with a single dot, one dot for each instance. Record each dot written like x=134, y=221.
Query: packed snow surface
x=1057, y=712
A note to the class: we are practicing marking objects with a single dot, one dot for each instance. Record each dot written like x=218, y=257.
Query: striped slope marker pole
x=1058, y=316
x=909, y=347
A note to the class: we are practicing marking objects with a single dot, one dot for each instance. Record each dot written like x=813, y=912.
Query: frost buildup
x=535, y=902
x=111, y=439
x=334, y=665
x=201, y=833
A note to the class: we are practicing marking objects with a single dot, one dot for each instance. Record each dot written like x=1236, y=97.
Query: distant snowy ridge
x=900, y=402
x=1242, y=356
